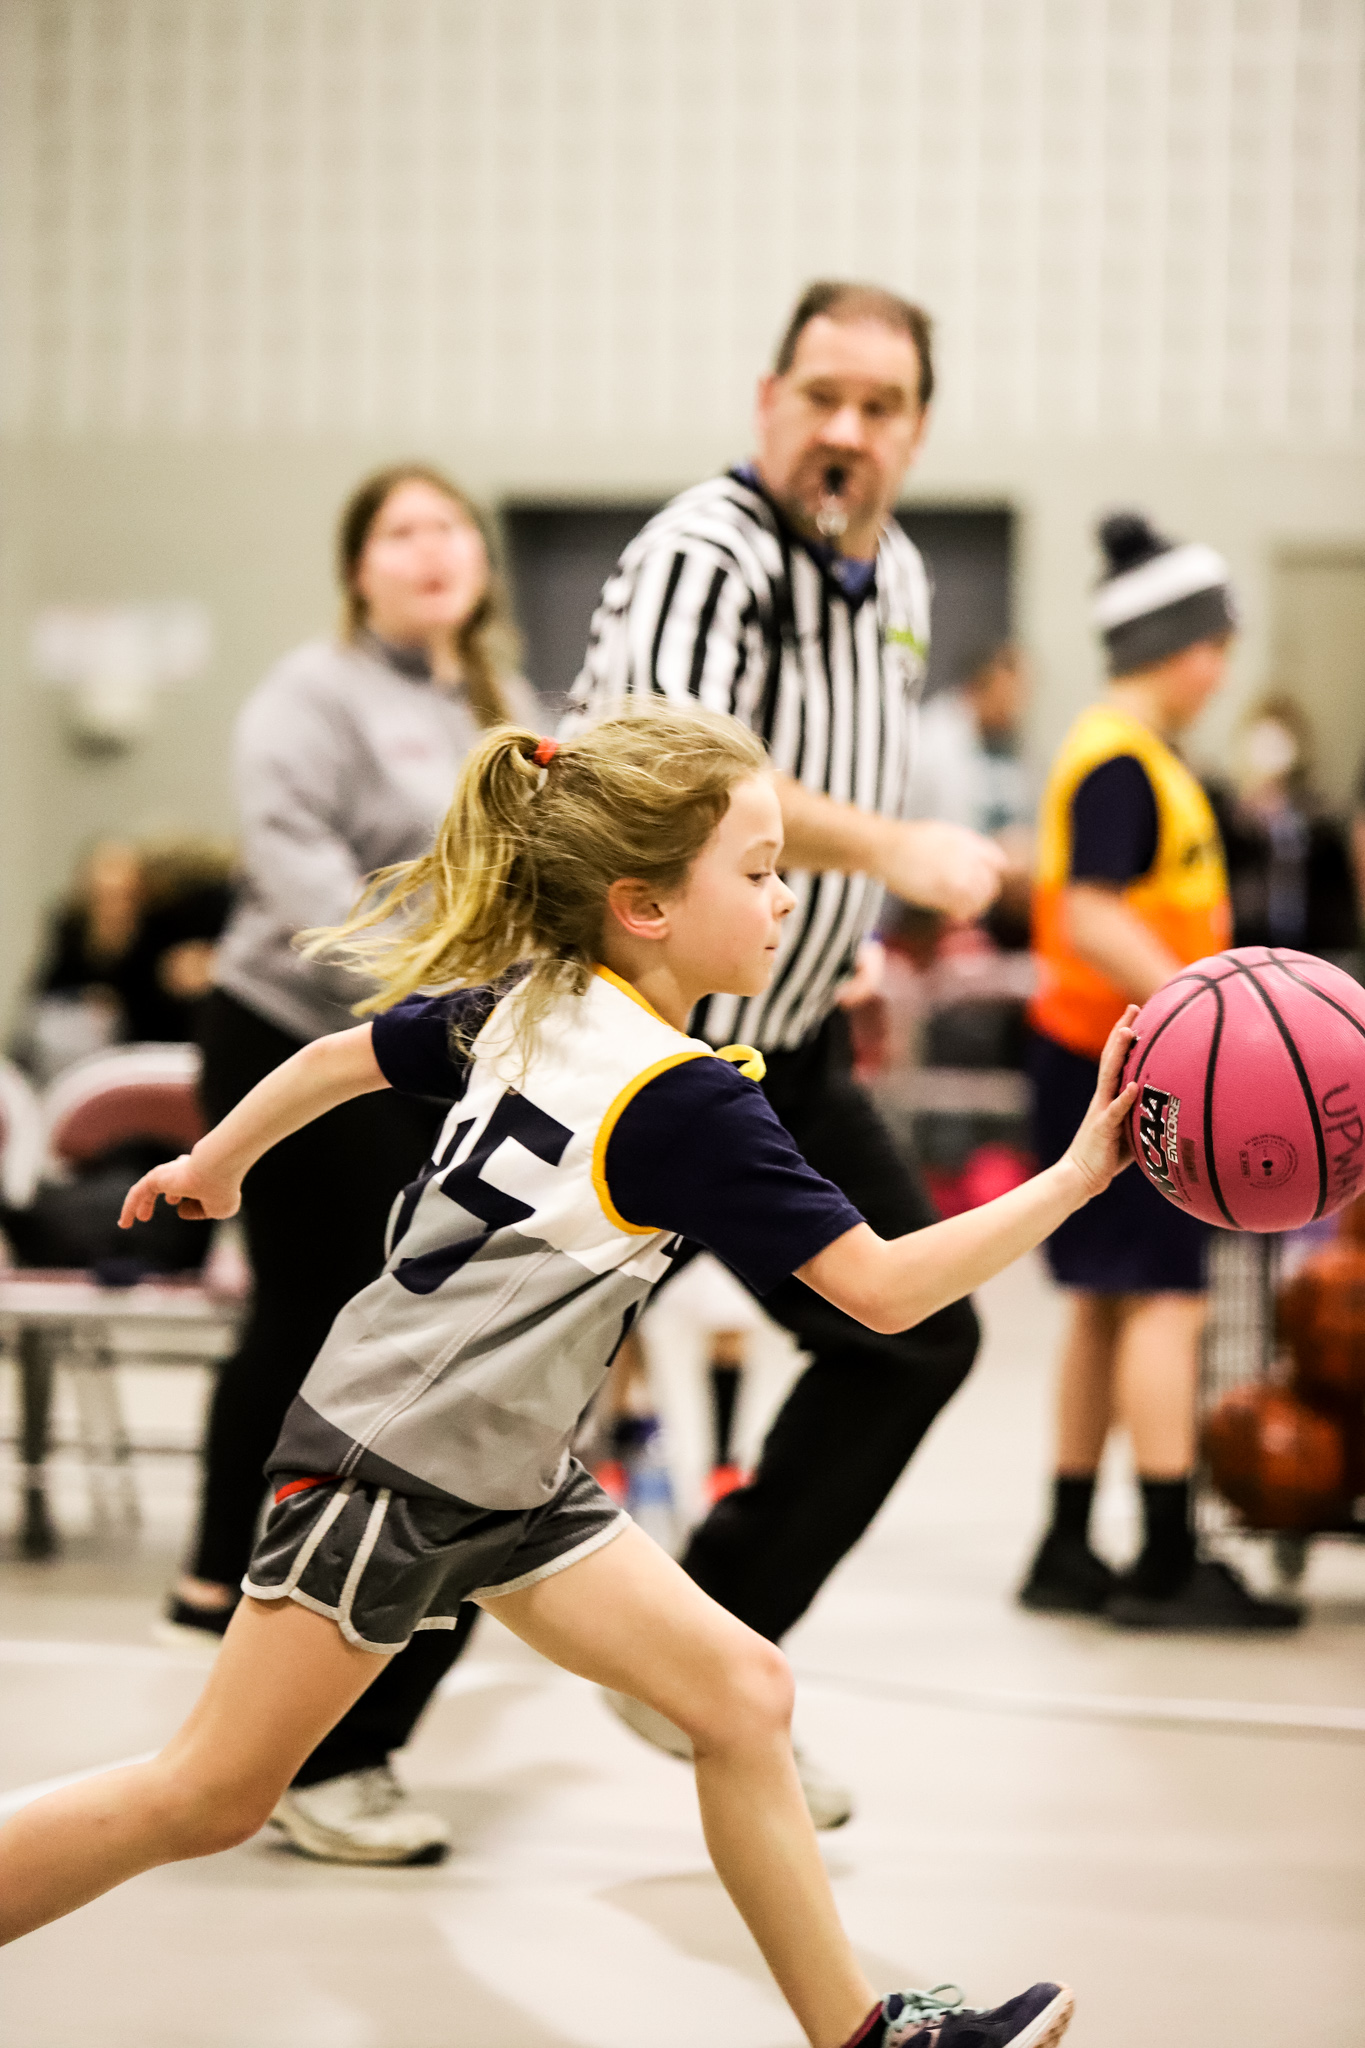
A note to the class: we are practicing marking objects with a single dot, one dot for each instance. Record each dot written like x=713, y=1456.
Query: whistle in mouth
x=831, y=520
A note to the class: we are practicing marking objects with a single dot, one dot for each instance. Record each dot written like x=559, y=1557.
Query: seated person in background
x=129, y=957
x=130, y=953
x=968, y=771
x=1289, y=867
x=189, y=891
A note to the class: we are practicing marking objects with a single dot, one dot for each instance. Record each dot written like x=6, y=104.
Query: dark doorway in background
x=970, y=553
x=560, y=554
x=558, y=558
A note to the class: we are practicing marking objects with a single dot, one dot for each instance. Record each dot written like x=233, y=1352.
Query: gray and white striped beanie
x=1157, y=597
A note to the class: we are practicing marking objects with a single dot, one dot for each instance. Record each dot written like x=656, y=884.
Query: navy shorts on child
x=558, y=1191
x=1130, y=1239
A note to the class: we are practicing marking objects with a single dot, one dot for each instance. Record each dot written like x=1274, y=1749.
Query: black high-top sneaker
x=1209, y=1600
x=1066, y=1577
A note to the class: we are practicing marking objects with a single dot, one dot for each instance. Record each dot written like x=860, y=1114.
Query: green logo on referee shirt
x=902, y=636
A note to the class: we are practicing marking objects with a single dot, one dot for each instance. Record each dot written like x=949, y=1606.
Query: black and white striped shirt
x=717, y=600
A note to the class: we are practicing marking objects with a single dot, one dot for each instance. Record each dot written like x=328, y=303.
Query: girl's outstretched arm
x=207, y=1182
x=891, y=1285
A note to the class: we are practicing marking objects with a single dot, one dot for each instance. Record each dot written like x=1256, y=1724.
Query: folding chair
x=21, y=1153
x=130, y=1094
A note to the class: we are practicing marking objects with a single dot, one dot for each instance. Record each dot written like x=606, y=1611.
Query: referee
x=784, y=593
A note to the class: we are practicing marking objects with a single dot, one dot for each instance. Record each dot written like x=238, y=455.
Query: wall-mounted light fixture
x=114, y=659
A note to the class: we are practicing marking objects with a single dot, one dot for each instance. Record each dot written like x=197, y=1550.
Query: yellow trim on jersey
x=626, y=989
x=610, y=1120
x=747, y=1058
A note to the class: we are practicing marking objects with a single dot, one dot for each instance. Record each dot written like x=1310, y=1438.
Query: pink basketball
x=1252, y=1106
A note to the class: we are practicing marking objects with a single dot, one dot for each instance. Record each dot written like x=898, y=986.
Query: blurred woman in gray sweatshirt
x=346, y=756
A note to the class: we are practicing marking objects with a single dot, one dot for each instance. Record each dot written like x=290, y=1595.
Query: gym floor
x=1172, y=1826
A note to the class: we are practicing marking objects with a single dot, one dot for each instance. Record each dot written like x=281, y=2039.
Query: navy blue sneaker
x=1037, y=2018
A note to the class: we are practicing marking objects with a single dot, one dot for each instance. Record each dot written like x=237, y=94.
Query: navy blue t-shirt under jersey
x=697, y=1152
x=1113, y=823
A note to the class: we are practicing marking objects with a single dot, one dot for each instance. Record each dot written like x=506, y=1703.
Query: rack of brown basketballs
x=1285, y=1448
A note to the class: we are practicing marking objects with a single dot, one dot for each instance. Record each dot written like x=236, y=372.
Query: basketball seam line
x=1250, y=968
x=1235, y=967
x=1210, y=1162
x=1319, y=1141
x=1321, y=994
x=1206, y=985
x=1182, y=1005
x=1243, y=967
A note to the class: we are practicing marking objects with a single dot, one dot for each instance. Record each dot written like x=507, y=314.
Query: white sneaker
x=364, y=1817
x=828, y=1803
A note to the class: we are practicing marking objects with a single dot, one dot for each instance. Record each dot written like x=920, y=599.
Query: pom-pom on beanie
x=1157, y=597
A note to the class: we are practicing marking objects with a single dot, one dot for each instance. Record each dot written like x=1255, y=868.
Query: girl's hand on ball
x=195, y=1193
x=1101, y=1146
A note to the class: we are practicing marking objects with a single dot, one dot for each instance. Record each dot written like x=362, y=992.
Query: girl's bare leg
x=282, y=1678
x=629, y=1618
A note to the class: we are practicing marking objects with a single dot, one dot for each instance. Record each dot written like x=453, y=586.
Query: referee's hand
x=943, y=867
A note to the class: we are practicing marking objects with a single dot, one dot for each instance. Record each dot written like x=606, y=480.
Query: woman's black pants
x=314, y=1211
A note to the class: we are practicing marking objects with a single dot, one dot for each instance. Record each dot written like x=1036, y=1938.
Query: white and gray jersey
x=718, y=601
x=518, y=1259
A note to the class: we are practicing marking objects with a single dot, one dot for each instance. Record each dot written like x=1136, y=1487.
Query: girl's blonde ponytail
x=465, y=912
x=533, y=840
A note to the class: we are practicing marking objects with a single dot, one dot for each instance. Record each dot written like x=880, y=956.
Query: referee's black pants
x=857, y=1414
x=314, y=1211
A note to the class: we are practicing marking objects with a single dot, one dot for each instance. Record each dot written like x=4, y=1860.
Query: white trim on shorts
x=306, y=1549
x=346, y=1625
x=555, y=1564
x=341, y=1613
x=364, y=1550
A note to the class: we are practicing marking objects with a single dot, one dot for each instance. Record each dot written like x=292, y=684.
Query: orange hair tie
x=545, y=753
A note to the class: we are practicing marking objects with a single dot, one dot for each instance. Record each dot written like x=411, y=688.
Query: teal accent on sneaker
x=905, y=2011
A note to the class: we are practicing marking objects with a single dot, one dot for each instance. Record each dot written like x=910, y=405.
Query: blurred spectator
x=130, y=954
x=346, y=756
x=966, y=998
x=1289, y=865
x=968, y=770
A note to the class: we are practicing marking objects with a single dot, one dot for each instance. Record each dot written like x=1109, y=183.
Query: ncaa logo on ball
x=1158, y=1136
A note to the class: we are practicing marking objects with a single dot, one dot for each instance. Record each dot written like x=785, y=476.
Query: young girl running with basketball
x=579, y=901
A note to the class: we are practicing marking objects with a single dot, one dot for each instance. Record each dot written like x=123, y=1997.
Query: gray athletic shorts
x=382, y=1564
